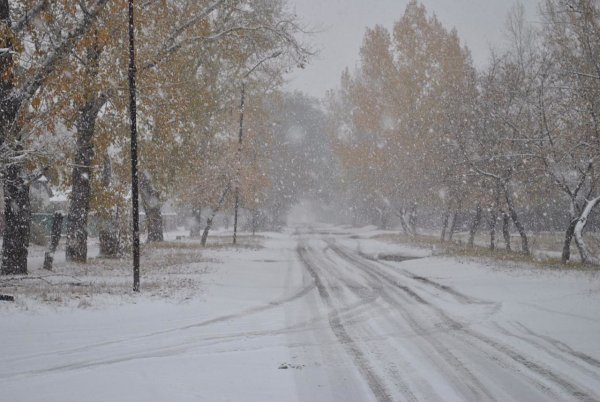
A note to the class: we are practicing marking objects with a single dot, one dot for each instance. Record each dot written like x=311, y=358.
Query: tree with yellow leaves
x=54, y=29
x=406, y=105
x=191, y=53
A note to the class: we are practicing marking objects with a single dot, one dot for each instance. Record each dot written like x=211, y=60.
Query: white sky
x=342, y=23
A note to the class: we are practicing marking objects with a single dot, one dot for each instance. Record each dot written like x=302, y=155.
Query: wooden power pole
x=134, y=156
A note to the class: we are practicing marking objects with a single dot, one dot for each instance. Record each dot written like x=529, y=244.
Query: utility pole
x=134, y=156
x=241, y=134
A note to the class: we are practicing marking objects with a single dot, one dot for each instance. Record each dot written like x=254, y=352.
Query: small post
x=54, y=240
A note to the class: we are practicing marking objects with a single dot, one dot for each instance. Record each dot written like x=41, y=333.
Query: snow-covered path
x=314, y=316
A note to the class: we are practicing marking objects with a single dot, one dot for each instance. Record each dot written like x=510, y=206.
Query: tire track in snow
x=358, y=356
x=575, y=359
x=196, y=343
x=453, y=364
x=563, y=347
x=451, y=327
x=361, y=329
x=351, y=312
x=561, y=380
x=241, y=314
x=458, y=296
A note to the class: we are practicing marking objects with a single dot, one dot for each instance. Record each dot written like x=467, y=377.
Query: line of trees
x=63, y=107
x=419, y=132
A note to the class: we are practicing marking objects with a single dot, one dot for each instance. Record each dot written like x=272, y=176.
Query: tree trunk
x=494, y=217
x=493, y=223
x=110, y=235
x=209, y=221
x=384, y=218
x=17, y=215
x=445, y=225
x=54, y=240
x=566, y=251
x=586, y=255
x=412, y=219
x=453, y=225
x=9, y=105
x=110, y=246
x=17, y=209
x=475, y=226
x=402, y=216
x=516, y=221
x=254, y=221
x=574, y=214
x=152, y=207
x=79, y=206
x=405, y=221
x=506, y=230
x=110, y=242
x=154, y=224
x=196, y=222
x=16, y=240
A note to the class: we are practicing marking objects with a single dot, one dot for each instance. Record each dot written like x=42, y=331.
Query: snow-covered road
x=315, y=316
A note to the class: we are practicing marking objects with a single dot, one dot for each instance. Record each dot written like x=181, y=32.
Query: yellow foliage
x=35, y=103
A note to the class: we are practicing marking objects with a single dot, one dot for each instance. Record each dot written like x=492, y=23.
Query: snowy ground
x=317, y=313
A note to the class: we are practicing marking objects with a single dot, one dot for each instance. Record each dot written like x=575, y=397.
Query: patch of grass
x=187, y=244
x=214, y=242
x=458, y=248
x=223, y=246
x=172, y=270
x=243, y=241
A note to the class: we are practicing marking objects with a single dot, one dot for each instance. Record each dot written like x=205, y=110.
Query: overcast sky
x=342, y=24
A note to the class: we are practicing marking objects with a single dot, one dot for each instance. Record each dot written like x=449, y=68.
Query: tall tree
x=406, y=103
x=23, y=78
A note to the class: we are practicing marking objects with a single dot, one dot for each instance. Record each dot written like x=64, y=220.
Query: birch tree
x=569, y=110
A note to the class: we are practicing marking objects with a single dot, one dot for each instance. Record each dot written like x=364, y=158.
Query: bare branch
x=29, y=15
